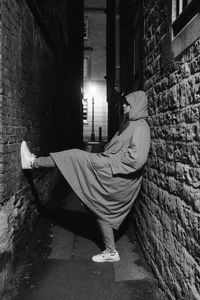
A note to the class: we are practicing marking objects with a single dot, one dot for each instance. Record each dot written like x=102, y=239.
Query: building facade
x=94, y=86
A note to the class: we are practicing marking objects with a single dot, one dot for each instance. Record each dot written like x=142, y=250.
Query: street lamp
x=92, y=90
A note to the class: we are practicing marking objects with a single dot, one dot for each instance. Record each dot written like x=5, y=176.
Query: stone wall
x=32, y=89
x=168, y=213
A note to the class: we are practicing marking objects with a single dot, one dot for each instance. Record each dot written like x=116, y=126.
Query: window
x=182, y=13
x=85, y=110
x=180, y=5
x=86, y=68
x=183, y=20
x=85, y=29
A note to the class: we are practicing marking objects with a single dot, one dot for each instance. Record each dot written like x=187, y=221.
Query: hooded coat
x=109, y=182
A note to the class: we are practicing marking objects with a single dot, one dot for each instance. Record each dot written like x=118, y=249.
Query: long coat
x=109, y=182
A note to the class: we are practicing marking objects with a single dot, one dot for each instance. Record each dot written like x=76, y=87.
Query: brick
x=172, y=188
x=29, y=86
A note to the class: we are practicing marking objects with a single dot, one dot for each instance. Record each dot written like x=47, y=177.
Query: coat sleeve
x=135, y=156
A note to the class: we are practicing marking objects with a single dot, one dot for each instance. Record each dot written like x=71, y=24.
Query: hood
x=139, y=105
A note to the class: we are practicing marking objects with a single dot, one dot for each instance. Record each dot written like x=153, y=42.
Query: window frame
x=86, y=67
x=173, y=45
x=85, y=110
x=86, y=28
x=184, y=16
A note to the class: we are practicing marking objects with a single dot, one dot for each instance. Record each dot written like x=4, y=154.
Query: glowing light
x=92, y=88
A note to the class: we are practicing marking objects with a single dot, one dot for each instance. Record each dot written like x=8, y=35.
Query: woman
x=108, y=182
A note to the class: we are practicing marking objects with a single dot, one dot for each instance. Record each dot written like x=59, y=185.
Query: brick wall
x=33, y=86
x=168, y=213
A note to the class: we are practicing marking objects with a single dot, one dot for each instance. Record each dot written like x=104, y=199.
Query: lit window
x=182, y=13
x=85, y=110
x=85, y=29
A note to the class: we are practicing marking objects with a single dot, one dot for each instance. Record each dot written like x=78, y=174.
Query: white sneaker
x=106, y=256
x=27, y=158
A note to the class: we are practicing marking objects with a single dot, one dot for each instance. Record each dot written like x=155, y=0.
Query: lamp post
x=92, y=89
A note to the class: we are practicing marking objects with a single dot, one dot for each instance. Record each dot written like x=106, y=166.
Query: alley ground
x=57, y=263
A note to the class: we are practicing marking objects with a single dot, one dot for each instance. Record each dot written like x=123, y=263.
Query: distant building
x=94, y=99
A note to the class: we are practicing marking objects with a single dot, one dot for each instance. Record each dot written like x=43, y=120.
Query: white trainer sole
x=23, y=149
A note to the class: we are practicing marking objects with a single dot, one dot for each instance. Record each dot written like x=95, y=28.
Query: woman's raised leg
x=30, y=161
x=44, y=162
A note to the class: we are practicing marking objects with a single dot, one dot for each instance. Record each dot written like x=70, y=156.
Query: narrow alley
x=120, y=73
x=57, y=264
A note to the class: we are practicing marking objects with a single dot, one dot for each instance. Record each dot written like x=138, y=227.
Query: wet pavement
x=57, y=263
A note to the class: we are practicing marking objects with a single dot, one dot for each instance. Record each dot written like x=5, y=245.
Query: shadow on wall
x=41, y=184
x=30, y=180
